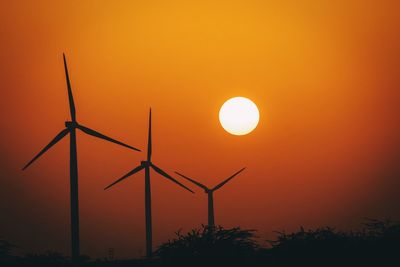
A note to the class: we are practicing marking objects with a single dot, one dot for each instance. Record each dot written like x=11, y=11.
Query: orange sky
x=325, y=77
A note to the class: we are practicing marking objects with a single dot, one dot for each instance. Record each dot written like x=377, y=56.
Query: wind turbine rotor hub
x=145, y=163
x=70, y=124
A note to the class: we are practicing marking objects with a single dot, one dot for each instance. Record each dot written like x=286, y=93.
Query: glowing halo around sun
x=239, y=116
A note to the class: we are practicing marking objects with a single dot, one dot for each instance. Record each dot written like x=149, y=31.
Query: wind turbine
x=70, y=128
x=146, y=165
x=210, y=192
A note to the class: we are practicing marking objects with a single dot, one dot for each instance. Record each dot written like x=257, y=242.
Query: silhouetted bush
x=377, y=244
x=210, y=247
x=49, y=258
x=5, y=251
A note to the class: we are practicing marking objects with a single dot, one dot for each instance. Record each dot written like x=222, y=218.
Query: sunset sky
x=325, y=76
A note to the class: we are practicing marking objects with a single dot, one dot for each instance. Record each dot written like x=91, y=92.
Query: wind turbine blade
x=166, y=175
x=102, y=136
x=132, y=172
x=149, y=144
x=193, y=181
x=52, y=143
x=70, y=96
x=227, y=180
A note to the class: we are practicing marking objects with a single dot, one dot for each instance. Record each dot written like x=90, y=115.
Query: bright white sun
x=239, y=116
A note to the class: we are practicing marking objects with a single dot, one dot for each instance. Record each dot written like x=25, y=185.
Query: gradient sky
x=324, y=75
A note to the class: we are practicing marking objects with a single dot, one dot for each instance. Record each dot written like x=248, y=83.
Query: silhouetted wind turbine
x=70, y=129
x=209, y=192
x=146, y=165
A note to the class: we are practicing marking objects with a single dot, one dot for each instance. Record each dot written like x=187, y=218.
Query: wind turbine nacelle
x=70, y=124
x=145, y=163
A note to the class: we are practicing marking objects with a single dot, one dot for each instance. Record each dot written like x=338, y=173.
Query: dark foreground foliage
x=376, y=244
x=210, y=247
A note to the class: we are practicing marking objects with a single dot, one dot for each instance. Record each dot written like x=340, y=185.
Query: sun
x=239, y=116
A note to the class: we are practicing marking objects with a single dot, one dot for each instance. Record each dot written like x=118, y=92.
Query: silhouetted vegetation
x=5, y=252
x=377, y=243
x=210, y=247
x=49, y=258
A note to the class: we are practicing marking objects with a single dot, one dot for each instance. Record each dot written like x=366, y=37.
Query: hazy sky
x=324, y=75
